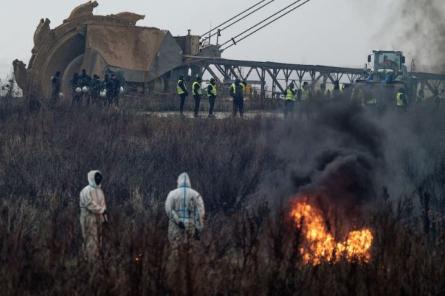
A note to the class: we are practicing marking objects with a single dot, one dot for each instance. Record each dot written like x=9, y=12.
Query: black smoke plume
x=334, y=157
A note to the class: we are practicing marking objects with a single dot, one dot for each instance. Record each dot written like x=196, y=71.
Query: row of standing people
x=237, y=91
x=306, y=96
x=91, y=90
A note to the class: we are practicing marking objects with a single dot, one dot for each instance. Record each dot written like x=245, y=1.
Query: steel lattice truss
x=279, y=75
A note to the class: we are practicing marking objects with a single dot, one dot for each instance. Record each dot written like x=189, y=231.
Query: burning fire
x=320, y=245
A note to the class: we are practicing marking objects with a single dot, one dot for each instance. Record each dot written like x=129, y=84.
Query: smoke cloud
x=347, y=157
x=418, y=27
x=344, y=170
x=335, y=156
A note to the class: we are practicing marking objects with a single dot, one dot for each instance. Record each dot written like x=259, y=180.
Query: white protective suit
x=184, y=205
x=92, y=209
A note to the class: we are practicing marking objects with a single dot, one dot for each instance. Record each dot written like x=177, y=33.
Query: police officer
x=76, y=89
x=237, y=92
x=182, y=92
x=289, y=99
x=401, y=101
x=95, y=89
x=106, y=89
x=212, y=92
x=197, y=92
x=85, y=85
x=322, y=93
x=55, y=88
x=109, y=83
x=337, y=89
x=305, y=94
x=305, y=91
x=114, y=88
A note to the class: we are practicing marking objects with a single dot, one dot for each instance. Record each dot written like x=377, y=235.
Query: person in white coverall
x=92, y=215
x=185, y=210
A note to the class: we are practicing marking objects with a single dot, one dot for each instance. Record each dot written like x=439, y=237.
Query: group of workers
x=184, y=208
x=237, y=91
x=307, y=96
x=91, y=90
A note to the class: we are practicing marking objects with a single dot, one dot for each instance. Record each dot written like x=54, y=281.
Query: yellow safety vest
x=179, y=90
x=199, y=89
x=304, y=94
x=371, y=101
x=233, y=87
x=213, y=90
x=358, y=96
x=399, y=100
x=290, y=94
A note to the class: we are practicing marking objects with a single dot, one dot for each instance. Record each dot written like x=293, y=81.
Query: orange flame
x=320, y=245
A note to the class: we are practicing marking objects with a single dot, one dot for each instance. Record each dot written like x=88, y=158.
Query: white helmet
x=61, y=95
x=103, y=93
x=85, y=89
x=121, y=90
x=78, y=90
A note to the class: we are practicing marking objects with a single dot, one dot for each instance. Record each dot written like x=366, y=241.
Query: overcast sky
x=324, y=32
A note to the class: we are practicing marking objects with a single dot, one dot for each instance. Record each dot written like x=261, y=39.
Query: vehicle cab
x=386, y=66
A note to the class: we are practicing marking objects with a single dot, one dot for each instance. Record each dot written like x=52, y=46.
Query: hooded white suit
x=92, y=208
x=184, y=205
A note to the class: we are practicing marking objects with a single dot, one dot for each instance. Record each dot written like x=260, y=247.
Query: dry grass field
x=382, y=171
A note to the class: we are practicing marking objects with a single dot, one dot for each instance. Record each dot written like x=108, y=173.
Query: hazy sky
x=324, y=32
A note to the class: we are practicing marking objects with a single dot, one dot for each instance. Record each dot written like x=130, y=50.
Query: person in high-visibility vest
x=211, y=93
x=237, y=92
x=322, y=93
x=401, y=102
x=197, y=92
x=182, y=92
x=371, y=100
x=358, y=96
x=290, y=96
x=336, y=92
x=305, y=91
x=305, y=98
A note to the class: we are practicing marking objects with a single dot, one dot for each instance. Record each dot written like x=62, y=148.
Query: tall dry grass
x=249, y=246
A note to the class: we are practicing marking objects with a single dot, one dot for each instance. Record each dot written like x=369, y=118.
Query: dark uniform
x=85, y=84
x=113, y=88
x=197, y=92
x=104, y=87
x=75, y=85
x=55, y=88
x=182, y=92
x=212, y=92
x=96, y=86
x=237, y=93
